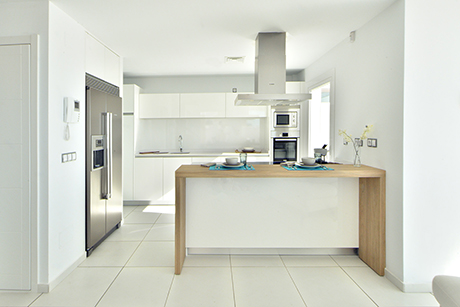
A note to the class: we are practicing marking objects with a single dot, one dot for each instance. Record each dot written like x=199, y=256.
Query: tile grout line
x=123, y=267
x=35, y=299
x=169, y=290
x=292, y=279
x=355, y=282
x=233, y=282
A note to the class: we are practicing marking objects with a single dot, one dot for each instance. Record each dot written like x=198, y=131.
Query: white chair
x=446, y=290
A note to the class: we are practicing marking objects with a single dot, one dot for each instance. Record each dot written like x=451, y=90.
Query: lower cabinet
x=170, y=165
x=148, y=179
x=155, y=180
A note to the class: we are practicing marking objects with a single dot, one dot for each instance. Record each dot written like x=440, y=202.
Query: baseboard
x=407, y=287
x=270, y=251
x=45, y=288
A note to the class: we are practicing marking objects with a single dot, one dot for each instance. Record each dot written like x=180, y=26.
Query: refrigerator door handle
x=107, y=179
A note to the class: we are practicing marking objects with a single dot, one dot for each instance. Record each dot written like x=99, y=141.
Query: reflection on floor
x=135, y=267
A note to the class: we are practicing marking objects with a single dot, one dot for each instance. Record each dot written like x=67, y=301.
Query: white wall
x=369, y=90
x=431, y=126
x=66, y=180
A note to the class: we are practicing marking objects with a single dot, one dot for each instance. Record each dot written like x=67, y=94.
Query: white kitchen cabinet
x=198, y=105
x=128, y=157
x=130, y=97
x=294, y=87
x=148, y=179
x=170, y=165
x=159, y=105
x=101, y=62
x=112, y=67
x=242, y=111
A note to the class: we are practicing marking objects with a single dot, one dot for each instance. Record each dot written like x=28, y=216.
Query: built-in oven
x=285, y=149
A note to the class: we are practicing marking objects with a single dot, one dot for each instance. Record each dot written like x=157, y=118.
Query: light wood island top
x=277, y=171
x=371, y=203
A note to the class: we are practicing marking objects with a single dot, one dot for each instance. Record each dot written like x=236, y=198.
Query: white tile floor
x=134, y=267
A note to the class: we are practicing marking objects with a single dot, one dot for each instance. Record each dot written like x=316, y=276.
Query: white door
x=14, y=167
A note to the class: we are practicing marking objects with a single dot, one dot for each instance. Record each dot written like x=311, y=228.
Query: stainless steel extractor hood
x=270, y=74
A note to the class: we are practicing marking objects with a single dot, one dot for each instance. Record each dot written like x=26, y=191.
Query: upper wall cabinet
x=242, y=111
x=130, y=97
x=202, y=105
x=101, y=62
x=294, y=87
x=159, y=106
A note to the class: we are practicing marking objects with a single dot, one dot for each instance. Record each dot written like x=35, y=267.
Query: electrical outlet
x=359, y=142
x=345, y=142
x=372, y=142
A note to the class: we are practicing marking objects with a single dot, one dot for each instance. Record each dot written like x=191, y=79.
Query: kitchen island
x=371, y=212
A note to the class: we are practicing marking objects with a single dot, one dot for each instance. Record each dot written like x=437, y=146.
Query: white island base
x=272, y=215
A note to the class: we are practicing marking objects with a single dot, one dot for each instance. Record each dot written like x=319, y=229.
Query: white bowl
x=308, y=161
x=231, y=161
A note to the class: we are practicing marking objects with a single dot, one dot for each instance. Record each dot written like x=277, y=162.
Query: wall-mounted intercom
x=71, y=110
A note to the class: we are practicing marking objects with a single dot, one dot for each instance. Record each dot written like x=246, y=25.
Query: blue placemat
x=219, y=167
x=318, y=168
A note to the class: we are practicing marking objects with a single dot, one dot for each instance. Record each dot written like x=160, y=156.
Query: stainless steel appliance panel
x=114, y=209
x=285, y=149
x=104, y=202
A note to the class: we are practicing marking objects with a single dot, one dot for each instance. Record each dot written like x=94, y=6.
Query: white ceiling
x=183, y=37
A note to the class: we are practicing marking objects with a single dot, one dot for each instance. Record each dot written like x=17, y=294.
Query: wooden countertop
x=277, y=171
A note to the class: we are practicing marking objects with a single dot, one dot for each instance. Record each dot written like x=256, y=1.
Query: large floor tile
x=139, y=287
x=202, y=287
x=250, y=260
x=138, y=217
x=166, y=219
x=384, y=293
x=348, y=260
x=111, y=254
x=127, y=210
x=14, y=299
x=328, y=286
x=308, y=261
x=161, y=232
x=268, y=286
x=168, y=209
x=130, y=232
x=83, y=287
x=153, y=254
x=207, y=260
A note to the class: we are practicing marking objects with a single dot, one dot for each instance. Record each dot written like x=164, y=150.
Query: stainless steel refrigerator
x=104, y=202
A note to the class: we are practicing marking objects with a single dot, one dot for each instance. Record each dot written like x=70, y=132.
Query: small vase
x=357, y=159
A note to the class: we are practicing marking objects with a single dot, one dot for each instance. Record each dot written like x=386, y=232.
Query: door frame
x=32, y=41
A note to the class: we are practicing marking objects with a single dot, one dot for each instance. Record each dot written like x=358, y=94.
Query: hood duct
x=270, y=74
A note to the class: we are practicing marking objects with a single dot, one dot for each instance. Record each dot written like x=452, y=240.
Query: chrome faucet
x=180, y=143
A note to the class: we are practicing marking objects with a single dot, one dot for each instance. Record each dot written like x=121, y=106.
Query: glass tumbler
x=243, y=158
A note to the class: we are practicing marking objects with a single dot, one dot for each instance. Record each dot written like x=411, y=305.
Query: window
x=319, y=120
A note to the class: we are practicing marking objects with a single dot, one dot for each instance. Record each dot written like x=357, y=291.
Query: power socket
x=372, y=142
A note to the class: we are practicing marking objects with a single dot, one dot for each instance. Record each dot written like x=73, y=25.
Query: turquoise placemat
x=219, y=167
x=318, y=168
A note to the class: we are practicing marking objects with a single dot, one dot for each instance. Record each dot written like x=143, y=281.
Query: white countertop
x=199, y=154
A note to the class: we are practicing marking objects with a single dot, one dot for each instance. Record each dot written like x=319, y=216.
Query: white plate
x=301, y=165
x=232, y=165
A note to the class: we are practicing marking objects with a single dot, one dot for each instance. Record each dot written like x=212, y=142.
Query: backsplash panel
x=202, y=134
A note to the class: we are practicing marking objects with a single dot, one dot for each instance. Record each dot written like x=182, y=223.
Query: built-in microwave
x=285, y=119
